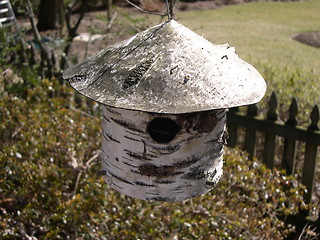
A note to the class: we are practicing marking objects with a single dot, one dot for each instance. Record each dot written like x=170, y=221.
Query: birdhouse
x=164, y=94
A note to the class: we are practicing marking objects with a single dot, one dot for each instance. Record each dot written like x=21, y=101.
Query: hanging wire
x=170, y=12
x=169, y=5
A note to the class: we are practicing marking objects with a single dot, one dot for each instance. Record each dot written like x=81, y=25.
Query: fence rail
x=272, y=127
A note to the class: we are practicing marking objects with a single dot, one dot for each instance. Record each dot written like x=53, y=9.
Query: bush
x=288, y=83
x=49, y=192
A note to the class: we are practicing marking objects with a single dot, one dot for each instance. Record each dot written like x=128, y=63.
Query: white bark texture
x=165, y=67
x=189, y=162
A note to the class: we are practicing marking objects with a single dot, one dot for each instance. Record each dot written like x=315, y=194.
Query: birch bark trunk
x=137, y=165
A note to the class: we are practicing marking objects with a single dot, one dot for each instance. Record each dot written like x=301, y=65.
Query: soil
x=309, y=38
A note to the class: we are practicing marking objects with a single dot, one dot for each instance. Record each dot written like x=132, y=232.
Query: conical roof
x=167, y=69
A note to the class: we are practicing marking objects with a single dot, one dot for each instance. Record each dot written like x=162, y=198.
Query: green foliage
x=45, y=146
x=8, y=46
x=290, y=82
x=49, y=192
x=19, y=6
x=13, y=56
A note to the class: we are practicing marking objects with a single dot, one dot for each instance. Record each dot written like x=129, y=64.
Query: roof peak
x=167, y=69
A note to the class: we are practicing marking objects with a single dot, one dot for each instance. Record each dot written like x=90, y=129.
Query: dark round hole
x=163, y=130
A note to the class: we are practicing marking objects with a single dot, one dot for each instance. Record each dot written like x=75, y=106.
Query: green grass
x=262, y=31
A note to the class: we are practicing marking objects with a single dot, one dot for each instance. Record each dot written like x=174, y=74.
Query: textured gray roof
x=167, y=69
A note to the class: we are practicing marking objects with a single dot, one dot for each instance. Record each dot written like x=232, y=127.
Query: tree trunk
x=47, y=16
x=164, y=157
x=61, y=16
x=109, y=9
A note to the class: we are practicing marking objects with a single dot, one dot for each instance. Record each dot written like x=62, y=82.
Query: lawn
x=262, y=31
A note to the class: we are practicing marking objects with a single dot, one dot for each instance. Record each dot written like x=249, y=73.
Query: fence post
x=250, y=137
x=270, y=138
x=290, y=144
x=309, y=168
x=233, y=130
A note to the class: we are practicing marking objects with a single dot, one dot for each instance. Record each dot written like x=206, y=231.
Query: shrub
x=49, y=192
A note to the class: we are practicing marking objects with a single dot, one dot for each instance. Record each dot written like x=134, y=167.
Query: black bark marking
x=179, y=191
x=144, y=149
x=106, y=136
x=191, y=138
x=199, y=122
x=77, y=78
x=120, y=179
x=117, y=185
x=105, y=154
x=159, y=181
x=151, y=170
x=126, y=53
x=225, y=56
x=172, y=69
x=210, y=184
x=168, y=149
x=211, y=175
x=113, y=112
x=151, y=193
x=130, y=165
x=126, y=125
x=162, y=199
x=134, y=133
x=188, y=162
x=133, y=139
x=105, y=118
x=110, y=164
x=144, y=184
x=115, y=166
x=197, y=173
x=137, y=156
x=105, y=161
x=186, y=79
x=129, y=159
x=136, y=74
x=219, y=140
x=154, y=153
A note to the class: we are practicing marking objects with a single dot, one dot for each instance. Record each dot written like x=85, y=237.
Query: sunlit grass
x=261, y=32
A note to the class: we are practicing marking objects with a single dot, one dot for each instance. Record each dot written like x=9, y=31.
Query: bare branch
x=144, y=11
x=43, y=48
x=93, y=158
x=81, y=168
x=171, y=8
x=111, y=21
x=76, y=184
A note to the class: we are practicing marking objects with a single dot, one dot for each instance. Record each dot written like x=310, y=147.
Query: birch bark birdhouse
x=164, y=94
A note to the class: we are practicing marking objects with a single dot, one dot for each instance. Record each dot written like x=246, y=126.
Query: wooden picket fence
x=272, y=127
